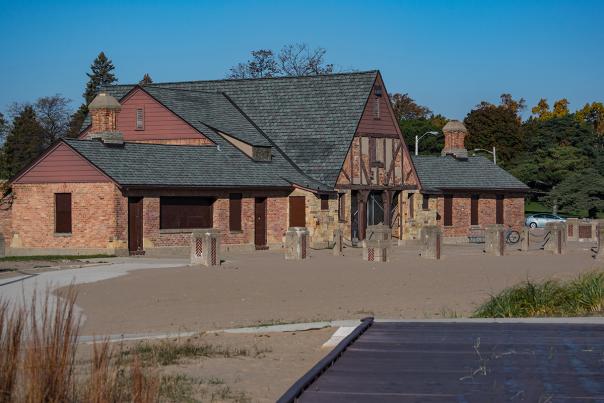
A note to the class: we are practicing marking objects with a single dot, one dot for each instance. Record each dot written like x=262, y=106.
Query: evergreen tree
x=101, y=74
x=146, y=80
x=24, y=142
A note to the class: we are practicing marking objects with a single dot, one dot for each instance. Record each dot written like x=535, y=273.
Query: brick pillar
x=573, y=229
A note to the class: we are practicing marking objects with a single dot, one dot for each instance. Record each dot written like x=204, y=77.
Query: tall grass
x=583, y=296
x=37, y=359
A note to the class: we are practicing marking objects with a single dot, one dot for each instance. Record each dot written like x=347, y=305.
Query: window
x=448, y=213
x=342, y=207
x=140, y=119
x=324, y=202
x=499, y=209
x=426, y=202
x=474, y=210
x=63, y=213
x=185, y=212
x=235, y=211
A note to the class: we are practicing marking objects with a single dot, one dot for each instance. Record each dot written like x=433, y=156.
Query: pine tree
x=146, y=80
x=24, y=142
x=101, y=74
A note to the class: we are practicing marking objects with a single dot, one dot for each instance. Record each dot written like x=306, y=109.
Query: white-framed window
x=140, y=119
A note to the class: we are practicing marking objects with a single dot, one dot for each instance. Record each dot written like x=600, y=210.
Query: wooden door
x=135, y=225
x=260, y=223
x=297, y=211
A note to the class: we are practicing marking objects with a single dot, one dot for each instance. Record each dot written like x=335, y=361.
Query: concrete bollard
x=573, y=229
x=494, y=240
x=375, y=250
x=379, y=232
x=338, y=243
x=526, y=239
x=205, y=247
x=431, y=238
x=296, y=243
x=600, y=234
x=557, y=237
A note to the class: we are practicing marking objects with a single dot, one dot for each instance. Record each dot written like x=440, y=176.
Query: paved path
x=18, y=290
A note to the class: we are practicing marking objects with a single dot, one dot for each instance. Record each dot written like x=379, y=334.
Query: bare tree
x=261, y=65
x=300, y=60
x=293, y=60
x=53, y=115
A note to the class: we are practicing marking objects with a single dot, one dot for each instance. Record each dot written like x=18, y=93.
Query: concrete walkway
x=19, y=290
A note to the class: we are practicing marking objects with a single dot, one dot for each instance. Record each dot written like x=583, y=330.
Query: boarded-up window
x=235, y=211
x=140, y=119
x=411, y=206
x=474, y=210
x=185, y=212
x=448, y=211
x=426, y=202
x=324, y=202
x=63, y=213
x=297, y=211
x=499, y=210
x=342, y=206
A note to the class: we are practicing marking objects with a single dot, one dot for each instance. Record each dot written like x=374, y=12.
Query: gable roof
x=476, y=173
x=311, y=119
x=143, y=164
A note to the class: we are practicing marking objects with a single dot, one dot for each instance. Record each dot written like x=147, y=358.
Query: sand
x=262, y=288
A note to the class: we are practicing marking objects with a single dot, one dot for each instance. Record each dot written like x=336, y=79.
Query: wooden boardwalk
x=466, y=362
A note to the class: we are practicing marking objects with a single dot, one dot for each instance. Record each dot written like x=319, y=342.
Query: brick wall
x=321, y=224
x=94, y=217
x=103, y=120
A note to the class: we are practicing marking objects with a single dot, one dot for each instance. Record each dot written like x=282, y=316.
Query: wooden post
x=362, y=201
x=386, y=201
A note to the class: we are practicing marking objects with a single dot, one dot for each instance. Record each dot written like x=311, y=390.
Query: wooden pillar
x=387, y=202
x=362, y=202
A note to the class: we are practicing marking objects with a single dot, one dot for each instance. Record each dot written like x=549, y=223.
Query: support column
x=362, y=212
x=387, y=202
x=600, y=239
x=494, y=240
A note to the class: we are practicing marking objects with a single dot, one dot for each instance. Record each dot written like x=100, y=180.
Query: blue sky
x=448, y=55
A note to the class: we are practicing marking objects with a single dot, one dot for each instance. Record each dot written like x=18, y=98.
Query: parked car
x=539, y=220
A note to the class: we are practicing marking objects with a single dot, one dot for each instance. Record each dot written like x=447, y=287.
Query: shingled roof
x=310, y=119
x=449, y=173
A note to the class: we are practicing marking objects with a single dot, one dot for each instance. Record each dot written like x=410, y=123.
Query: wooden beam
x=393, y=163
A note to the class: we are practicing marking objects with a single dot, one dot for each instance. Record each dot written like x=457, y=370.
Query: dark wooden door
x=135, y=225
x=260, y=223
x=297, y=211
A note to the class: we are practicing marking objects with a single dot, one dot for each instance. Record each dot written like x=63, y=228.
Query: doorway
x=135, y=225
x=260, y=223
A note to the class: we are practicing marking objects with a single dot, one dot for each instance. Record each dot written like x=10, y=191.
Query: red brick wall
x=94, y=215
x=103, y=120
x=276, y=217
x=454, y=140
x=513, y=213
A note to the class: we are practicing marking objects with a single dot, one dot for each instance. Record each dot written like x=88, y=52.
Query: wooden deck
x=473, y=362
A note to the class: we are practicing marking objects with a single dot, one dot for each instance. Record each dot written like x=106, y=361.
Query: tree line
x=556, y=151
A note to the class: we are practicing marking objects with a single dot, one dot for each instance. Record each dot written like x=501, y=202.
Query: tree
x=261, y=65
x=405, y=108
x=430, y=145
x=542, y=110
x=146, y=80
x=3, y=126
x=490, y=125
x=560, y=108
x=24, y=142
x=293, y=60
x=299, y=60
x=101, y=74
x=592, y=114
x=53, y=116
x=583, y=190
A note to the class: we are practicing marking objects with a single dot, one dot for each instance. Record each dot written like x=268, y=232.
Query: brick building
x=248, y=157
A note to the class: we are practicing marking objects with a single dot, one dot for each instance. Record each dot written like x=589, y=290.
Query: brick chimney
x=455, y=133
x=103, y=111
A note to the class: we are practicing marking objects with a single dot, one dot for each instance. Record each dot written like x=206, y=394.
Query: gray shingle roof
x=193, y=166
x=442, y=173
x=311, y=119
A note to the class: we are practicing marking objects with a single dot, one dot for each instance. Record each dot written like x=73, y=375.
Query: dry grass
x=37, y=359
